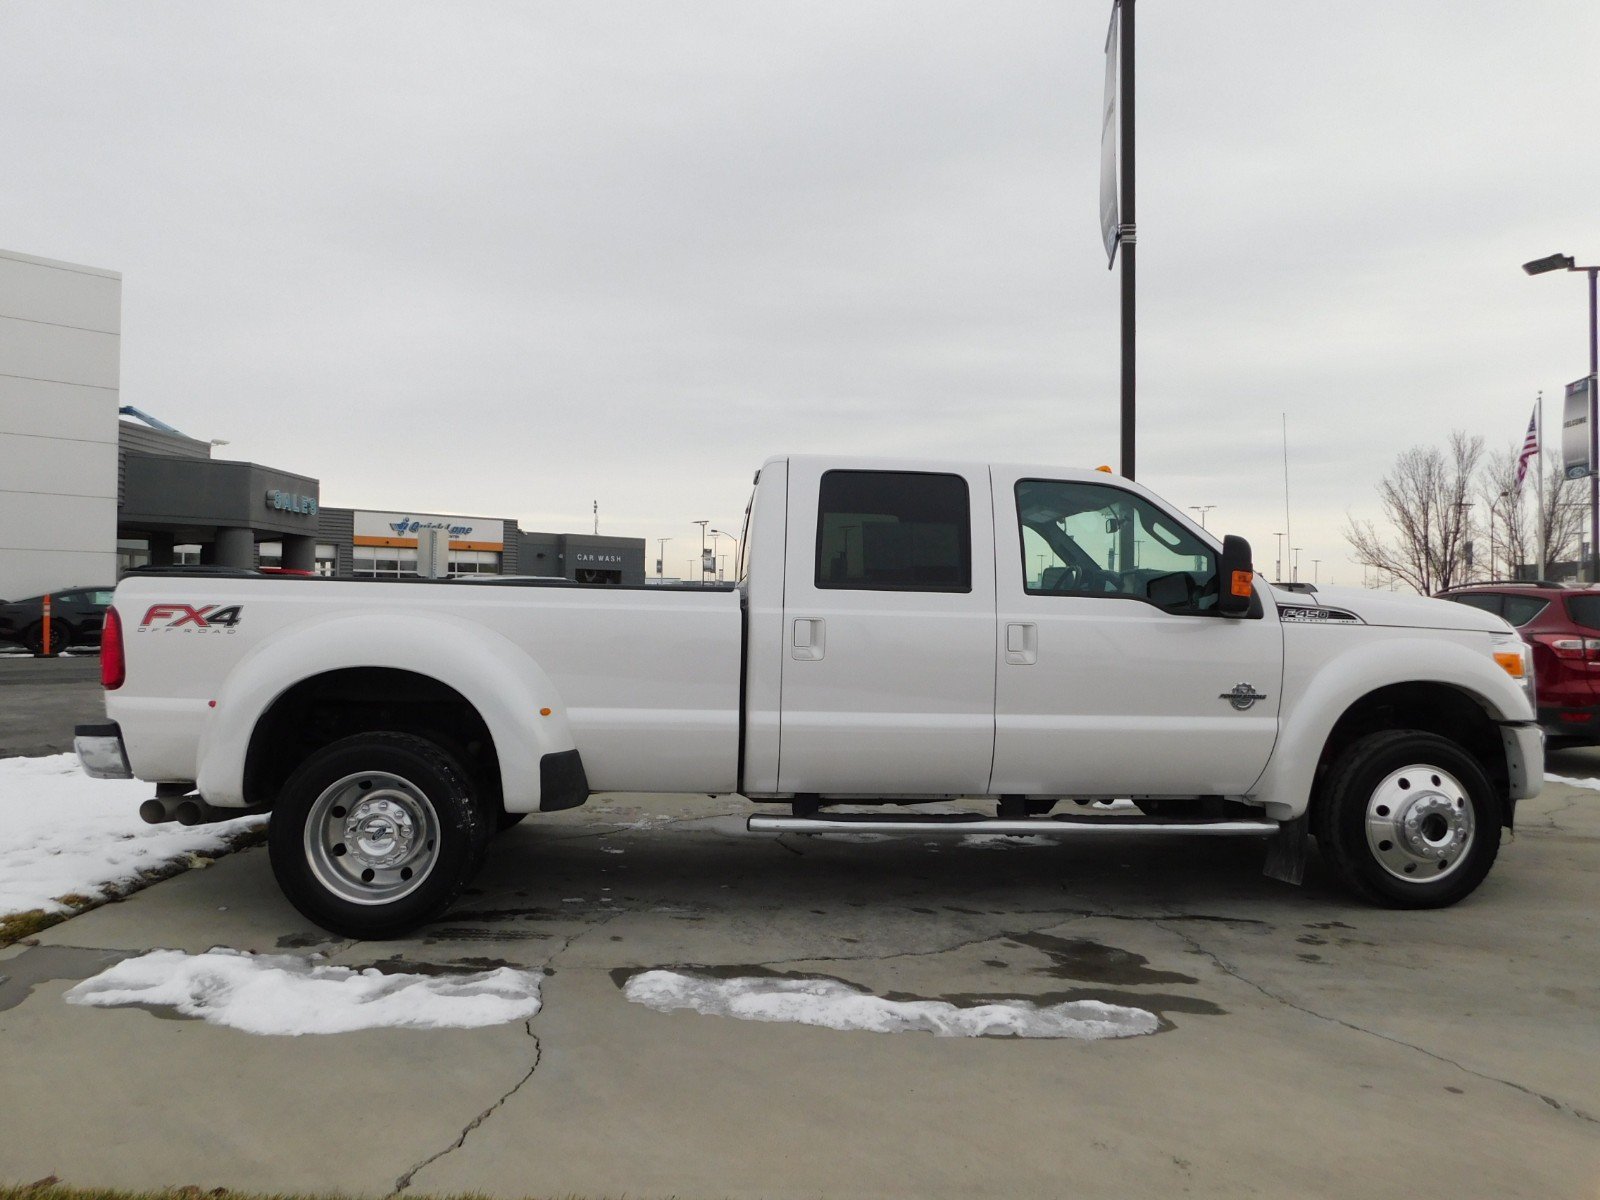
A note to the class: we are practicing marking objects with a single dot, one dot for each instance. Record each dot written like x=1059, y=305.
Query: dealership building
x=90, y=488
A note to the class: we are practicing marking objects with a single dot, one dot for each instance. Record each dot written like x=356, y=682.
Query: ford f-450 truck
x=900, y=632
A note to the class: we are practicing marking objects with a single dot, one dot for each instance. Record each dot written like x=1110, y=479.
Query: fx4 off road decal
x=185, y=618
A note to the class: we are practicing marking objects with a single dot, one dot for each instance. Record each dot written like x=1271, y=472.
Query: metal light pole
x=1564, y=262
x=732, y=538
x=661, y=555
x=1202, y=509
x=1316, y=570
x=1278, y=572
x=702, y=525
x=1127, y=236
x=1296, y=567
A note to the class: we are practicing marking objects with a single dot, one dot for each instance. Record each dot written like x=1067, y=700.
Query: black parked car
x=75, y=616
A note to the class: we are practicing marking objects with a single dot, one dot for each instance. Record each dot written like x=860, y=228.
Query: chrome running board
x=964, y=825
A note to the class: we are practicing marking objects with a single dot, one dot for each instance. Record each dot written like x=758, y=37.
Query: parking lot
x=1307, y=1045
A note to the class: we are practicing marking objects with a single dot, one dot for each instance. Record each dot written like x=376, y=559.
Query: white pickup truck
x=900, y=632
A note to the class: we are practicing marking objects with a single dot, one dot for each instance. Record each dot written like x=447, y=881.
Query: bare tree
x=1566, y=509
x=1427, y=501
x=1509, y=514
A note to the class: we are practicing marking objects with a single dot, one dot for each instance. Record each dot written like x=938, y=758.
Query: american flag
x=1530, y=447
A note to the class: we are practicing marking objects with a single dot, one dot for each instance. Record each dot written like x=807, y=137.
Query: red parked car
x=1563, y=627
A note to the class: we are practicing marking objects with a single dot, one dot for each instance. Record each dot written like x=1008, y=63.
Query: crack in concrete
x=567, y=941
x=1235, y=973
x=404, y=1181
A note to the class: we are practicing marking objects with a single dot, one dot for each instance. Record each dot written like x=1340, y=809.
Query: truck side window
x=1092, y=539
x=894, y=530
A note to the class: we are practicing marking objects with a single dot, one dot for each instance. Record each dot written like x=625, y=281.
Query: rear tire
x=1407, y=820
x=376, y=834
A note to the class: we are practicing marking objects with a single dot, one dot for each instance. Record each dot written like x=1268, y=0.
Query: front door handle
x=1022, y=644
x=810, y=634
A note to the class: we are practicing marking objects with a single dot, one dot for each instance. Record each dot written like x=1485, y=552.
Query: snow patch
x=287, y=995
x=835, y=1005
x=1592, y=784
x=62, y=834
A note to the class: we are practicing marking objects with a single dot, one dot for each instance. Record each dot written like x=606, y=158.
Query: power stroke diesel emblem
x=1242, y=696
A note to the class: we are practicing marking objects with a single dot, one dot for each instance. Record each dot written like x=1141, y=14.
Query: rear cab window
x=894, y=531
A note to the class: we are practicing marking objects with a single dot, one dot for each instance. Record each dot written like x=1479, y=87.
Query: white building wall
x=60, y=358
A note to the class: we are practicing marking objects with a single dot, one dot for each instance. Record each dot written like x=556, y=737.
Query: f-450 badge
x=185, y=618
x=1242, y=696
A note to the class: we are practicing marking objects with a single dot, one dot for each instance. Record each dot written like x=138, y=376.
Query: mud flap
x=1286, y=852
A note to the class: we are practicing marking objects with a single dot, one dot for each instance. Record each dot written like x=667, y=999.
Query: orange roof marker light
x=544, y=712
x=1106, y=469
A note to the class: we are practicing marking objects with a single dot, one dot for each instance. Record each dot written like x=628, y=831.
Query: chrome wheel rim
x=1420, y=824
x=372, y=837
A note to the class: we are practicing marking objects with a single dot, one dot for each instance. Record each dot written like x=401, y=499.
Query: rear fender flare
x=515, y=697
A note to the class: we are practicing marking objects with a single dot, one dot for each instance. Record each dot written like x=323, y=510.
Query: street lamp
x=716, y=544
x=1296, y=567
x=661, y=555
x=1202, y=509
x=1564, y=262
x=1316, y=570
x=730, y=536
x=1277, y=573
x=702, y=525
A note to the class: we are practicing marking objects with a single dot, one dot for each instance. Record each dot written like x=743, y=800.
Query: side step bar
x=963, y=824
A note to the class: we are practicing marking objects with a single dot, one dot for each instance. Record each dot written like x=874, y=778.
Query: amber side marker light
x=544, y=712
x=1511, y=661
x=1242, y=583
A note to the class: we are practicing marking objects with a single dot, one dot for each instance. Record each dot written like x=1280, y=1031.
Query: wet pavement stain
x=41, y=964
x=459, y=966
x=305, y=941
x=1092, y=962
x=435, y=936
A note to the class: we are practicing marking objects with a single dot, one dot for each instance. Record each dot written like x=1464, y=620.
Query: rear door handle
x=1022, y=644
x=810, y=636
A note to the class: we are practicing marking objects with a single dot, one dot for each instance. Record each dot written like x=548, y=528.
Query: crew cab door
x=1116, y=676
x=888, y=668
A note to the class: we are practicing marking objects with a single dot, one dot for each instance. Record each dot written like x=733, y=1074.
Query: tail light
x=1565, y=646
x=113, y=667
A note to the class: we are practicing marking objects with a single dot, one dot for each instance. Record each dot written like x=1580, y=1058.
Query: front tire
x=1407, y=820
x=376, y=834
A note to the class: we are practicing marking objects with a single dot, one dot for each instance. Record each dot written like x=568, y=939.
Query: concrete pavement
x=41, y=699
x=1310, y=1046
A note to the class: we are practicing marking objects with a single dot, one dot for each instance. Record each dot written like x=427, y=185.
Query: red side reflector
x=113, y=667
x=1576, y=718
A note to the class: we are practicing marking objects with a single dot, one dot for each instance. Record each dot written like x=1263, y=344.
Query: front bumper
x=100, y=751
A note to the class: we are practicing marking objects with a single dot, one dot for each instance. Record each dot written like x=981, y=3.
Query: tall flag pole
x=1538, y=415
x=1530, y=450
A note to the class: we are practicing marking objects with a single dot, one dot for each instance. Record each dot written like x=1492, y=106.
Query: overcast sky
x=509, y=259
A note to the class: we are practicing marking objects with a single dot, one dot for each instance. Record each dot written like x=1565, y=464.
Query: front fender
x=496, y=676
x=1329, y=687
